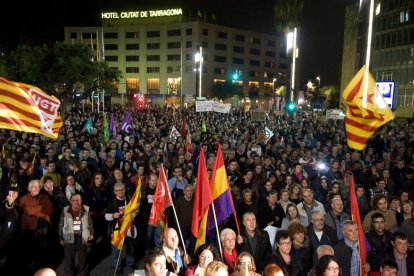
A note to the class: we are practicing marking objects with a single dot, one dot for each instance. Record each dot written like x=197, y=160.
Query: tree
x=287, y=14
x=61, y=70
x=331, y=95
x=223, y=90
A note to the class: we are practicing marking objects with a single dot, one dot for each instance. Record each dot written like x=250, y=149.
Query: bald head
x=45, y=272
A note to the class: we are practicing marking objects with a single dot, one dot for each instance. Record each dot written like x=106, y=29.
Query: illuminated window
x=153, y=86
x=268, y=87
x=219, y=81
x=173, y=85
x=132, y=85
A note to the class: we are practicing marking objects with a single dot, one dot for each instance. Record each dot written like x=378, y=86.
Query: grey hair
x=225, y=232
x=316, y=212
x=323, y=247
x=119, y=184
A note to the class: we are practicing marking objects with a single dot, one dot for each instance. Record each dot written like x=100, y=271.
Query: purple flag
x=112, y=126
x=127, y=123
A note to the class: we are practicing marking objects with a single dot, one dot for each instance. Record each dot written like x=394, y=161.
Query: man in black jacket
x=400, y=255
x=270, y=213
x=379, y=241
x=347, y=252
x=255, y=241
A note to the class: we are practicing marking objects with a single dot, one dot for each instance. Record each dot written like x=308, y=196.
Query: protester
x=245, y=265
x=328, y=266
x=205, y=254
x=228, y=240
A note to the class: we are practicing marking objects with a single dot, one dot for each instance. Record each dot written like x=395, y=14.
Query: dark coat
x=379, y=245
x=294, y=269
x=266, y=215
x=263, y=250
x=328, y=238
x=409, y=261
x=344, y=255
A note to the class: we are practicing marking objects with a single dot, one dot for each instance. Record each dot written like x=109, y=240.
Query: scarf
x=230, y=259
x=355, y=266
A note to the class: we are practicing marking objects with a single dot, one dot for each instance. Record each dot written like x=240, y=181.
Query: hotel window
x=222, y=47
x=132, y=85
x=111, y=58
x=188, y=44
x=173, y=85
x=221, y=35
x=188, y=56
x=282, y=55
x=220, y=59
x=173, y=45
x=238, y=49
x=132, y=35
x=88, y=35
x=283, y=66
x=256, y=40
x=153, y=57
x=255, y=52
x=153, y=34
x=174, y=32
x=269, y=64
x=270, y=53
x=131, y=58
x=111, y=46
x=254, y=62
x=153, y=86
x=219, y=71
x=73, y=35
x=188, y=69
x=153, y=69
x=239, y=37
x=205, y=32
x=110, y=35
x=271, y=43
x=153, y=46
x=174, y=57
x=253, y=74
x=132, y=46
x=132, y=69
x=238, y=61
x=205, y=44
x=173, y=69
x=189, y=31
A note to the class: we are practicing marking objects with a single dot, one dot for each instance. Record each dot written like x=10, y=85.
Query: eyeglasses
x=333, y=269
x=285, y=243
x=120, y=190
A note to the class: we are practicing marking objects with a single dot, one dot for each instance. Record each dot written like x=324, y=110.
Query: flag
x=112, y=126
x=269, y=134
x=213, y=17
x=220, y=192
x=356, y=218
x=3, y=153
x=126, y=125
x=31, y=167
x=183, y=128
x=203, y=127
x=27, y=108
x=199, y=14
x=174, y=134
x=202, y=201
x=105, y=130
x=363, y=119
x=188, y=145
x=89, y=125
x=125, y=222
x=162, y=199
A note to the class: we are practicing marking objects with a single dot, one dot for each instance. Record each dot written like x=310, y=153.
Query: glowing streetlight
x=198, y=58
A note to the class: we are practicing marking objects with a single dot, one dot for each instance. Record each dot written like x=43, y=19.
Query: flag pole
x=119, y=257
x=179, y=229
x=218, y=235
x=368, y=53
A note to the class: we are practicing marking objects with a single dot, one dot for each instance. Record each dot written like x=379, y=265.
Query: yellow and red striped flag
x=24, y=107
x=124, y=224
x=364, y=117
x=31, y=167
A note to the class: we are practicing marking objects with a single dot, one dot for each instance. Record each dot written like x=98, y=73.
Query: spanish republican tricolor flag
x=366, y=111
x=24, y=107
x=125, y=222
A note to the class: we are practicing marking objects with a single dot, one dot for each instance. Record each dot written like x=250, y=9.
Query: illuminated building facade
x=156, y=54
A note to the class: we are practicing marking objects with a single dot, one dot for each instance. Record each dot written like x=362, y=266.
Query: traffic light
x=235, y=76
x=291, y=107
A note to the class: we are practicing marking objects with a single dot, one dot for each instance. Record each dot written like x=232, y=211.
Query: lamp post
x=317, y=89
x=199, y=59
x=292, y=44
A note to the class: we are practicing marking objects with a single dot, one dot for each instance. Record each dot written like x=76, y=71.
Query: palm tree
x=287, y=14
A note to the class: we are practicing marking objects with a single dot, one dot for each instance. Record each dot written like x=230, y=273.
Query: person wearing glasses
x=284, y=257
x=75, y=231
x=228, y=240
x=328, y=266
x=115, y=214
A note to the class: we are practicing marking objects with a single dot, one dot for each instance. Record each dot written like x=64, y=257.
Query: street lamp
x=317, y=89
x=292, y=44
x=198, y=58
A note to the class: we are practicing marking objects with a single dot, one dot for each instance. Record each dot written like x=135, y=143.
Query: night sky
x=322, y=24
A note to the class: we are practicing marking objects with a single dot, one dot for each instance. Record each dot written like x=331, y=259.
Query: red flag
x=202, y=201
x=188, y=145
x=183, y=127
x=356, y=218
x=31, y=167
x=162, y=199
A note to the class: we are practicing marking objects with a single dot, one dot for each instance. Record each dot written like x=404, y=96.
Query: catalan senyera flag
x=3, y=152
x=220, y=193
x=24, y=107
x=202, y=201
x=125, y=222
x=363, y=119
x=183, y=128
x=162, y=200
x=356, y=217
x=31, y=167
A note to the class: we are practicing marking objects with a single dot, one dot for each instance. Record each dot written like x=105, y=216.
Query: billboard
x=387, y=88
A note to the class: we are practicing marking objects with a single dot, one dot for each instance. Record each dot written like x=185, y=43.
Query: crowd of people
x=64, y=199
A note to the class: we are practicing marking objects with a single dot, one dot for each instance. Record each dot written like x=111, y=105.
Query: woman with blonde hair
x=245, y=261
x=216, y=268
